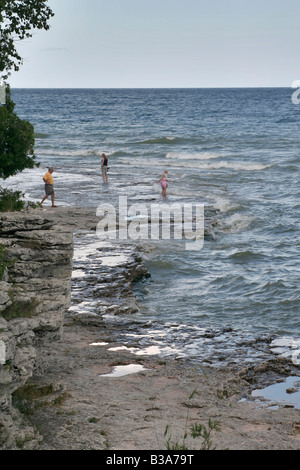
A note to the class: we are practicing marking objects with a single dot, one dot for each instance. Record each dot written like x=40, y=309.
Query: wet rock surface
x=99, y=409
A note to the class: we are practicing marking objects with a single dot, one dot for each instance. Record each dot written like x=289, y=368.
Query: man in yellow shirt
x=49, y=190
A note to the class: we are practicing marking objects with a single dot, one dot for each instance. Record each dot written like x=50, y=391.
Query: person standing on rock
x=49, y=187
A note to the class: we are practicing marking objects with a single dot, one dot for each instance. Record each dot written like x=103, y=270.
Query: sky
x=164, y=44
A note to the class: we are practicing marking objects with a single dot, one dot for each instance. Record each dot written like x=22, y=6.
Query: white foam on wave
x=200, y=156
x=24, y=180
x=69, y=153
x=238, y=222
x=193, y=156
x=238, y=166
x=223, y=204
x=32, y=179
x=198, y=163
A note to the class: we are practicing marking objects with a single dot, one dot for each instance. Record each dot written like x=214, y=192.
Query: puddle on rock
x=285, y=393
x=120, y=371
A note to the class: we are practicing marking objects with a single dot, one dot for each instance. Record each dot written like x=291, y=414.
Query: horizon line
x=146, y=88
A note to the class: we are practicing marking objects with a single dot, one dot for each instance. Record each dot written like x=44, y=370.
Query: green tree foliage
x=17, y=20
x=16, y=141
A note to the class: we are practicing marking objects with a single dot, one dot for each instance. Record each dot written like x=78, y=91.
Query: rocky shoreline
x=55, y=389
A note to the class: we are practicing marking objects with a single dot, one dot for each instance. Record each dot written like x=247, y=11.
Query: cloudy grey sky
x=164, y=43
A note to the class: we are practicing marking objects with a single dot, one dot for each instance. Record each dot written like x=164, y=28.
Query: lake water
x=234, y=149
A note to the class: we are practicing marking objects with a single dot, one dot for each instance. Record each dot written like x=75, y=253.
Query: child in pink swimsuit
x=164, y=182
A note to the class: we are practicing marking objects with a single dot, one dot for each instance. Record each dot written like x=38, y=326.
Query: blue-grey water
x=234, y=149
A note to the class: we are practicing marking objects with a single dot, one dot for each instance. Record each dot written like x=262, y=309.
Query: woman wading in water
x=104, y=164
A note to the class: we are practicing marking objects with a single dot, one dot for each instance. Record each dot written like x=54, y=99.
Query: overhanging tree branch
x=17, y=20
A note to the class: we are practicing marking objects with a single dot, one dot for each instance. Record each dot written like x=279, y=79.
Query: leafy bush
x=11, y=201
x=16, y=141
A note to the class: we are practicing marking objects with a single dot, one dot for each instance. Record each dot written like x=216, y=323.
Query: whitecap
x=238, y=222
x=199, y=164
x=69, y=152
x=193, y=156
x=239, y=166
x=185, y=160
x=224, y=205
